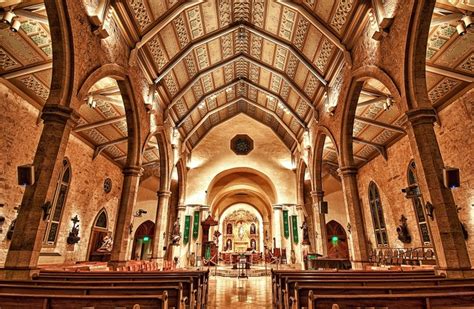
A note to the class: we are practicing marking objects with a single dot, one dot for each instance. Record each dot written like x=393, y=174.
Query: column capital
x=317, y=193
x=181, y=207
x=348, y=170
x=59, y=113
x=277, y=206
x=132, y=171
x=421, y=116
x=163, y=193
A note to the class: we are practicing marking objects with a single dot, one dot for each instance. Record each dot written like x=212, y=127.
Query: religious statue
x=402, y=231
x=241, y=231
x=304, y=227
x=106, y=245
x=252, y=229
x=229, y=245
x=293, y=257
x=175, y=233
x=73, y=237
x=191, y=259
x=216, y=237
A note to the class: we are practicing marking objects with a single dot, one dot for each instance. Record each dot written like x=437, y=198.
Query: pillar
x=319, y=219
x=180, y=251
x=160, y=240
x=449, y=244
x=358, y=241
x=277, y=228
x=22, y=258
x=131, y=178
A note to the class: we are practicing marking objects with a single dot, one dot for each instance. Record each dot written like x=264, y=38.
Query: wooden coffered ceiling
x=210, y=56
x=213, y=59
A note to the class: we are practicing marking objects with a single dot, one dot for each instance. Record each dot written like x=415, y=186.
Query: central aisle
x=255, y=292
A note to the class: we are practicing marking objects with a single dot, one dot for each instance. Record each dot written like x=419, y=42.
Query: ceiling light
x=460, y=28
x=15, y=25
x=467, y=19
x=228, y=89
x=201, y=105
x=91, y=102
x=212, y=97
x=8, y=17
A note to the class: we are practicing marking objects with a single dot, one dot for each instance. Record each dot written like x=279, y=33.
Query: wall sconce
x=73, y=237
x=429, y=210
x=46, y=210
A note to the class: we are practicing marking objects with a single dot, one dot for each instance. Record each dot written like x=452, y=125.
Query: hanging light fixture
x=388, y=103
x=91, y=102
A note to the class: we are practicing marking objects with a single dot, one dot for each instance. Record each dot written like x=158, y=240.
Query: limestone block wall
x=456, y=145
x=19, y=136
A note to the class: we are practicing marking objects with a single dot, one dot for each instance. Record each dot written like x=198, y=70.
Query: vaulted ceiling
x=212, y=60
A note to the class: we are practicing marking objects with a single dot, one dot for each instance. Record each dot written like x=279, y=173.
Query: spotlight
x=15, y=25
x=467, y=19
x=8, y=17
x=388, y=103
x=91, y=102
x=461, y=29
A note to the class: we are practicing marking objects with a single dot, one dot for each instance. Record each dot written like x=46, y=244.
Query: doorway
x=142, y=242
x=337, y=241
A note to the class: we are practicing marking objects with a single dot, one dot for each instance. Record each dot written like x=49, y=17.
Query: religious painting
x=253, y=230
x=229, y=229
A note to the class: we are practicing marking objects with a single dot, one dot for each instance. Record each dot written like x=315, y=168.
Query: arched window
x=101, y=220
x=417, y=203
x=59, y=201
x=377, y=215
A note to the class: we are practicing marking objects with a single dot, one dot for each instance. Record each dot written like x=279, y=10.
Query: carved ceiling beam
x=154, y=163
x=108, y=99
x=218, y=34
x=196, y=78
x=29, y=70
x=235, y=101
x=355, y=156
x=380, y=148
x=99, y=148
x=283, y=76
x=273, y=114
x=32, y=15
x=379, y=124
x=237, y=57
x=449, y=73
x=125, y=156
x=318, y=25
x=98, y=124
x=280, y=99
x=148, y=35
x=330, y=163
x=215, y=92
x=370, y=102
x=439, y=20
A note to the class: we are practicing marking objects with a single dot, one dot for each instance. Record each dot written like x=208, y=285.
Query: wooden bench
x=300, y=297
x=393, y=301
x=48, y=301
x=197, y=291
x=176, y=298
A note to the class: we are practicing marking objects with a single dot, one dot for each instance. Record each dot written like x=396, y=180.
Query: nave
x=156, y=153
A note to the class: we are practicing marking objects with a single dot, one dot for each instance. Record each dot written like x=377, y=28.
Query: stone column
x=180, y=251
x=450, y=246
x=358, y=241
x=161, y=224
x=321, y=241
x=22, y=258
x=277, y=226
x=128, y=198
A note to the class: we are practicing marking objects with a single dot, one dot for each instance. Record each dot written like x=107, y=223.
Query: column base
x=455, y=273
x=18, y=274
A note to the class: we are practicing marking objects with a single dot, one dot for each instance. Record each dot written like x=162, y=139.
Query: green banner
x=187, y=226
x=196, y=225
x=294, y=223
x=286, y=227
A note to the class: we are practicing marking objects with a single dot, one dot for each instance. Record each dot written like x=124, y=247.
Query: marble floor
x=255, y=292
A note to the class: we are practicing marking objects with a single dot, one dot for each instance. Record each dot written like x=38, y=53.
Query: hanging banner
x=294, y=223
x=196, y=225
x=286, y=227
x=187, y=226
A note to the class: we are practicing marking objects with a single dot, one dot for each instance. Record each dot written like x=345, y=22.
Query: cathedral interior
x=268, y=153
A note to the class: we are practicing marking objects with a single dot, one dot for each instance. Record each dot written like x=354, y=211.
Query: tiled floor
x=255, y=292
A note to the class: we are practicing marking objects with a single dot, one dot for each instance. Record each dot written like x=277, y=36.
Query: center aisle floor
x=255, y=292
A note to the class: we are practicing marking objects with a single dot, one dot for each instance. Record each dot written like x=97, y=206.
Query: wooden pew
x=48, y=301
x=197, y=291
x=300, y=297
x=281, y=278
x=399, y=301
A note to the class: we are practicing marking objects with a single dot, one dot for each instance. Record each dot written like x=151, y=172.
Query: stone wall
x=456, y=144
x=86, y=196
